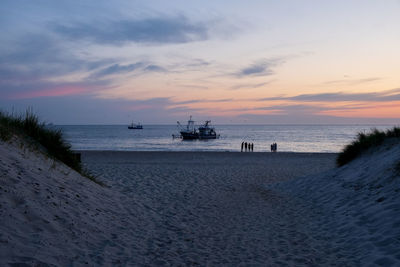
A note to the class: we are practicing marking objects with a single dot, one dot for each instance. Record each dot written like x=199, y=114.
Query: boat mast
x=190, y=125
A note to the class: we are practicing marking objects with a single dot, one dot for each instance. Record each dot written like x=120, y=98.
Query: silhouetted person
x=245, y=146
x=252, y=147
x=241, y=149
x=273, y=147
x=276, y=147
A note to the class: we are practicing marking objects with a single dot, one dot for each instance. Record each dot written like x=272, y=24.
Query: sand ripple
x=212, y=208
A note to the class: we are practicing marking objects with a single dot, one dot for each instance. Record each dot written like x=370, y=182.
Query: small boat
x=190, y=132
x=207, y=132
x=135, y=126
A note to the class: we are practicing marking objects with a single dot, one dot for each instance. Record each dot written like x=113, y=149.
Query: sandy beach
x=212, y=207
x=183, y=208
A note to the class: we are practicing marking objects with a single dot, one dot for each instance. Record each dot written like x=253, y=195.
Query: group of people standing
x=248, y=147
x=274, y=147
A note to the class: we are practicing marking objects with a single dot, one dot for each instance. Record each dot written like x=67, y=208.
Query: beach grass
x=365, y=141
x=397, y=168
x=29, y=127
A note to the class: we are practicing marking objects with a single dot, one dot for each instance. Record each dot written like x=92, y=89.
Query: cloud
x=292, y=108
x=157, y=30
x=185, y=65
x=352, y=81
x=308, y=119
x=260, y=68
x=203, y=101
x=154, y=68
x=32, y=64
x=199, y=87
x=44, y=89
x=305, y=113
x=117, y=69
x=156, y=102
x=42, y=55
x=31, y=67
x=122, y=69
x=249, y=86
x=197, y=62
x=157, y=108
x=384, y=96
x=84, y=109
x=35, y=59
x=183, y=110
x=308, y=109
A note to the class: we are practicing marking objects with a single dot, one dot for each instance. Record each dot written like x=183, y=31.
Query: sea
x=289, y=138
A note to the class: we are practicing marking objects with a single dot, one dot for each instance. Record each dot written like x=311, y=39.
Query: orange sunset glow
x=264, y=62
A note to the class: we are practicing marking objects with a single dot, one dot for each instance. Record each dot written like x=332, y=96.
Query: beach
x=161, y=208
x=212, y=208
x=197, y=208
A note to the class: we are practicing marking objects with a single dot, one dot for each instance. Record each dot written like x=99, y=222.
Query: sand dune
x=203, y=208
x=50, y=214
x=359, y=205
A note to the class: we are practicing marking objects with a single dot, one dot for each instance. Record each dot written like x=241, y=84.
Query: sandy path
x=213, y=208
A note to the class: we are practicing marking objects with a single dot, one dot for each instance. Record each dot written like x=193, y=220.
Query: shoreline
x=205, y=152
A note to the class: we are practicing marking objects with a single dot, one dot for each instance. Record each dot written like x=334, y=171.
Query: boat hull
x=194, y=136
x=207, y=136
x=135, y=127
x=189, y=136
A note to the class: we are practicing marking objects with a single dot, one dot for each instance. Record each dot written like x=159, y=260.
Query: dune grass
x=29, y=127
x=365, y=141
x=398, y=167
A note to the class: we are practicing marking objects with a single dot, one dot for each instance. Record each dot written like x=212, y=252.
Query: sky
x=234, y=62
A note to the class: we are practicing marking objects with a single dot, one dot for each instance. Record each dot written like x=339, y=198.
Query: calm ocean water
x=290, y=138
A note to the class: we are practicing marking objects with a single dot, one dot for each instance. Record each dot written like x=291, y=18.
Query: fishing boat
x=190, y=132
x=134, y=126
x=207, y=132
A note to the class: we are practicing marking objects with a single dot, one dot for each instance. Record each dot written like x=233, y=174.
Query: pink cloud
x=140, y=107
x=57, y=91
